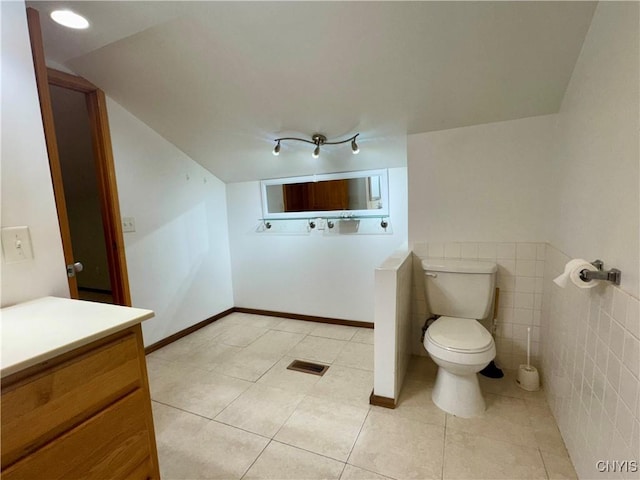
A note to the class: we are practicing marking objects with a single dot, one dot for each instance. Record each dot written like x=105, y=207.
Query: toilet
x=460, y=292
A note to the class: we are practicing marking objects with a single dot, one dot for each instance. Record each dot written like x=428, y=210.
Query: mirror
x=348, y=194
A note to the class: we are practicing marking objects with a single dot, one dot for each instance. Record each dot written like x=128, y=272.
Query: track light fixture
x=318, y=139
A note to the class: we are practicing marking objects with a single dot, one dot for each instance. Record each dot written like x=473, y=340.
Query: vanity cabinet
x=84, y=413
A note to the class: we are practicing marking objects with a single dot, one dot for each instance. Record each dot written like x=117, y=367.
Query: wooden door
x=101, y=141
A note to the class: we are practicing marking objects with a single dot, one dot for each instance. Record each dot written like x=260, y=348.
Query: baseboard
x=295, y=316
x=306, y=318
x=379, y=401
x=183, y=333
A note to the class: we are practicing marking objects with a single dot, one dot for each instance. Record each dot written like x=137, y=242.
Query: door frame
x=103, y=154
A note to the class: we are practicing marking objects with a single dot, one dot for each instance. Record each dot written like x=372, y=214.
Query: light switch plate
x=16, y=244
x=128, y=224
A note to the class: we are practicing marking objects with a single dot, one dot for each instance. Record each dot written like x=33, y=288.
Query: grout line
x=309, y=451
x=544, y=465
x=256, y=459
x=182, y=409
x=358, y=435
x=344, y=466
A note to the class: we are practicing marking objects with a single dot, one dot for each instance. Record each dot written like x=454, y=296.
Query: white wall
x=27, y=194
x=329, y=276
x=178, y=258
x=392, y=342
x=597, y=150
x=485, y=183
x=591, y=339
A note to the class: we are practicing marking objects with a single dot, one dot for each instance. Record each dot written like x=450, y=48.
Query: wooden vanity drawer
x=114, y=444
x=42, y=406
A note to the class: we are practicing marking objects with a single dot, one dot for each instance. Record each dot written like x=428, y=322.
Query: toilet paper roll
x=572, y=272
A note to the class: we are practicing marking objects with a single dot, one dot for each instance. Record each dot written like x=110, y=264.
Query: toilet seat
x=459, y=335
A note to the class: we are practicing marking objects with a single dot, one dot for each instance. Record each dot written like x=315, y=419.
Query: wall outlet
x=128, y=224
x=16, y=244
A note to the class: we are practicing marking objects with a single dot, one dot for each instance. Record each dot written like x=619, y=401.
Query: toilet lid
x=459, y=334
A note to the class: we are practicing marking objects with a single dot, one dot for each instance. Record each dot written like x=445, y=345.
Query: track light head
x=276, y=149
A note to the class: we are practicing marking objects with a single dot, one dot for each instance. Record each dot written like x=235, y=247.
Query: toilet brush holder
x=528, y=378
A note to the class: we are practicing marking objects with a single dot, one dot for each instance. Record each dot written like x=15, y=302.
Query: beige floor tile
x=363, y=335
x=399, y=448
x=470, y=456
x=421, y=369
x=205, y=356
x=260, y=409
x=337, y=332
x=284, y=462
x=559, y=467
x=194, y=390
x=317, y=349
x=280, y=377
x=356, y=355
x=507, y=386
x=355, y=473
x=545, y=426
x=324, y=427
x=505, y=419
x=175, y=426
x=415, y=404
x=276, y=342
x=247, y=365
x=195, y=448
x=248, y=319
x=548, y=436
x=209, y=333
x=510, y=408
x=240, y=335
x=295, y=326
x=345, y=385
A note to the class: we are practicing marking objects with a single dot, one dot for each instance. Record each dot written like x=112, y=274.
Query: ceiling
x=221, y=80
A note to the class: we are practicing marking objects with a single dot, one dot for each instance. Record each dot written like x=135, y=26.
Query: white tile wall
x=590, y=369
x=520, y=279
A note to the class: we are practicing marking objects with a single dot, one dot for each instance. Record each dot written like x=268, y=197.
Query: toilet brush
x=528, y=377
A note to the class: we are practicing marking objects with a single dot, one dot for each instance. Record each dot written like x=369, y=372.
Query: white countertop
x=41, y=329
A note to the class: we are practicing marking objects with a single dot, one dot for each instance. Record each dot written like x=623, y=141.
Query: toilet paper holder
x=612, y=275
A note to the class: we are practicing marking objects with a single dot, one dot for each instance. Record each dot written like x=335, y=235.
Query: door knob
x=74, y=268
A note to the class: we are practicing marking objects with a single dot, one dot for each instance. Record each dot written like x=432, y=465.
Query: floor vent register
x=308, y=367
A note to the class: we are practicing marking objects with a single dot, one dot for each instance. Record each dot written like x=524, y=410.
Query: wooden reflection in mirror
x=316, y=196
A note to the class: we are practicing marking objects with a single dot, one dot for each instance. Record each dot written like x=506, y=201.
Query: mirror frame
x=379, y=212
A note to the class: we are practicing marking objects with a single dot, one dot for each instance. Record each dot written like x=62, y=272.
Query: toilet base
x=458, y=395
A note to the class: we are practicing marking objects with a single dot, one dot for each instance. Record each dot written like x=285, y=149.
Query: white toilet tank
x=459, y=288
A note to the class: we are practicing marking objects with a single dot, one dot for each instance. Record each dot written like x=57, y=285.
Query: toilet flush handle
x=431, y=274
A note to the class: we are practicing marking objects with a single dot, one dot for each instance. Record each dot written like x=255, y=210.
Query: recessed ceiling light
x=69, y=19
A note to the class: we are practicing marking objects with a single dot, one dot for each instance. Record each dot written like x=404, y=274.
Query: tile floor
x=226, y=407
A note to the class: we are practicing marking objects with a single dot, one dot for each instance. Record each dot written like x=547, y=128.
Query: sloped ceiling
x=221, y=80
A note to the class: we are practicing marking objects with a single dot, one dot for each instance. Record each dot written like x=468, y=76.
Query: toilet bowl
x=461, y=347
x=459, y=292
